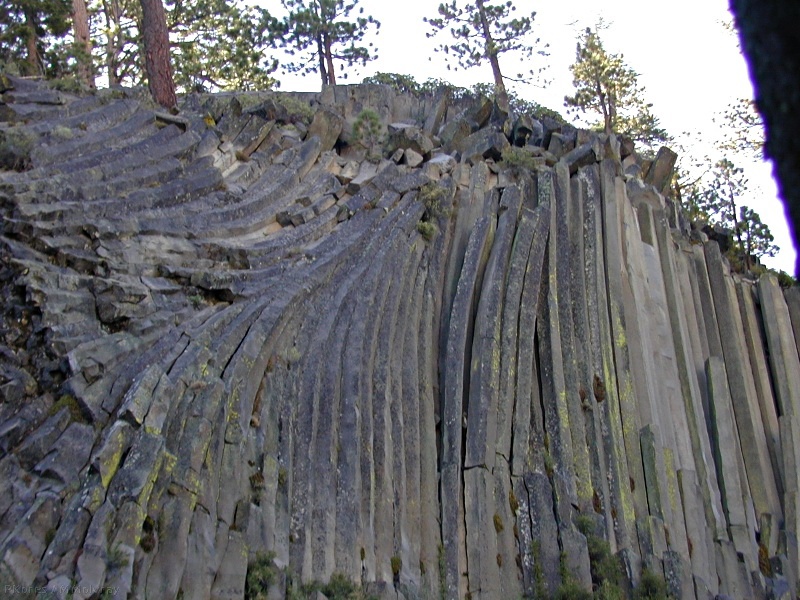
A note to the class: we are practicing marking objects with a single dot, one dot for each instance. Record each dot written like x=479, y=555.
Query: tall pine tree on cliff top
x=483, y=31
x=320, y=32
x=606, y=86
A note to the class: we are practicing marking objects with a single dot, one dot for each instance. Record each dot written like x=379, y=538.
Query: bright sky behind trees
x=686, y=58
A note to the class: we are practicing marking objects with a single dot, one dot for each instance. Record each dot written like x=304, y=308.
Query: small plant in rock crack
x=518, y=159
x=117, y=558
x=368, y=132
x=427, y=230
x=432, y=195
x=261, y=574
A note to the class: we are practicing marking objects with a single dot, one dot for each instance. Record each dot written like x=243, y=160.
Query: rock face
x=227, y=335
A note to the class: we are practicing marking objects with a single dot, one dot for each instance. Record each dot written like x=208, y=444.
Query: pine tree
x=28, y=29
x=744, y=129
x=716, y=198
x=82, y=44
x=214, y=44
x=483, y=31
x=606, y=86
x=754, y=236
x=116, y=40
x=220, y=45
x=321, y=31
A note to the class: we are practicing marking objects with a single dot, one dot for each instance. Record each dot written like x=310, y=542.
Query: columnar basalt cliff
x=229, y=338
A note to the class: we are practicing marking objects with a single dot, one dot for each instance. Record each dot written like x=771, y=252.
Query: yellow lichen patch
x=147, y=489
x=94, y=498
x=110, y=464
x=621, y=340
x=672, y=480
x=169, y=461
x=191, y=481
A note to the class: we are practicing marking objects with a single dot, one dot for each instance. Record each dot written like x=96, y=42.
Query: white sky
x=688, y=62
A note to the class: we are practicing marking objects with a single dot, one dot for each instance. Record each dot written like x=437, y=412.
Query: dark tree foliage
x=28, y=30
x=220, y=45
x=483, y=31
x=768, y=31
x=116, y=40
x=319, y=32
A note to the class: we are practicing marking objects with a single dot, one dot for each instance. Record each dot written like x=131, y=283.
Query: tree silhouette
x=606, y=86
x=320, y=32
x=483, y=31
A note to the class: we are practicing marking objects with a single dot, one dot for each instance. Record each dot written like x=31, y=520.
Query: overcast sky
x=688, y=62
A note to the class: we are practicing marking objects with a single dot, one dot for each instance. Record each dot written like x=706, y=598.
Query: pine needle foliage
x=607, y=88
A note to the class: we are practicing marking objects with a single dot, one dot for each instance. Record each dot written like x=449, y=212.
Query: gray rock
x=39, y=443
x=327, y=126
x=22, y=549
x=134, y=479
x=344, y=392
x=525, y=130
x=137, y=399
x=659, y=175
x=445, y=162
x=485, y=143
x=582, y=156
x=229, y=583
x=409, y=137
x=454, y=132
x=70, y=455
x=413, y=158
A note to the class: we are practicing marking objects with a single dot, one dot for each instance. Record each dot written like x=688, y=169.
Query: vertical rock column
x=612, y=497
x=457, y=364
x=785, y=367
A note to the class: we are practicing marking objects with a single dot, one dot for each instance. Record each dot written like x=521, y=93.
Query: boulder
x=327, y=125
x=659, y=175
x=485, y=143
x=409, y=137
x=526, y=130
x=270, y=110
x=582, y=156
x=413, y=158
x=455, y=130
x=70, y=454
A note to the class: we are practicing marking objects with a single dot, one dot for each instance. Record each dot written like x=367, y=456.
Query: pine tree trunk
x=83, y=46
x=31, y=39
x=323, y=72
x=491, y=54
x=156, y=53
x=604, y=106
x=768, y=30
x=331, y=74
